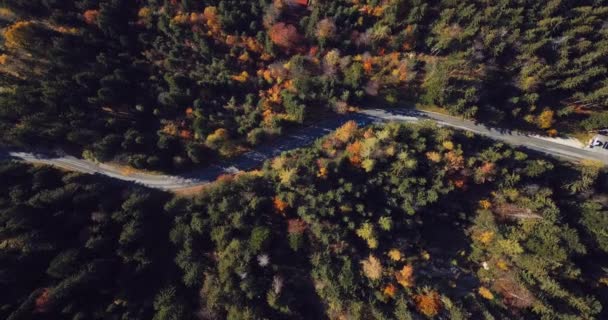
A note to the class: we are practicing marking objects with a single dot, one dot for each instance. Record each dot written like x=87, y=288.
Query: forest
x=170, y=84
x=395, y=221
x=400, y=221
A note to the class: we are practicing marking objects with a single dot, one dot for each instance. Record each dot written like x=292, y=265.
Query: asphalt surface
x=532, y=142
x=301, y=138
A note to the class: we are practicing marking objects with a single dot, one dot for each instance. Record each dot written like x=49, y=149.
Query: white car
x=600, y=141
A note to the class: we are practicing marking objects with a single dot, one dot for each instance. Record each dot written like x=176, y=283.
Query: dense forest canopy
x=387, y=222
x=383, y=222
x=165, y=84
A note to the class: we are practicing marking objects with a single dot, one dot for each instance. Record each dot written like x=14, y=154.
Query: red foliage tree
x=284, y=35
x=514, y=294
x=42, y=302
x=296, y=226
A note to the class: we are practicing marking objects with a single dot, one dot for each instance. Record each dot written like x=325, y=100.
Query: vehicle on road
x=599, y=142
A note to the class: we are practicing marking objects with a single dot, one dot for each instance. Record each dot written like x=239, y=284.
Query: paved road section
x=303, y=137
x=540, y=144
x=296, y=139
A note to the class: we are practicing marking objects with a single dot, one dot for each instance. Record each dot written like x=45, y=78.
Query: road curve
x=303, y=137
x=296, y=139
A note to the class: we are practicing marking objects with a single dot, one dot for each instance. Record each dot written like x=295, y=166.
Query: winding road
x=306, y=136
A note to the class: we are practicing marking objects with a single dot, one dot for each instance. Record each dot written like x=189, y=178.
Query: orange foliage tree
x=185, y=134
x=90, y=16
x=405, y=276
x=428, y=303
x=354, y=151
x=368, y=65
x=212, y=19
x=390, y=290
x=459, y=183
x=454, y=161
x=280, y=205
x=242, y=77
x=322, y=173
x=485, y=172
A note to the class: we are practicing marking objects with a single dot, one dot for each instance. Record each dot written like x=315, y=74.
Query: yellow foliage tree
x=366, y=232
x=180, y=19
x=502, y=265
x=278, y=163
x=18, y=34
x=372, y=268
x=322, y=173
x=485, y=237
x=144, y=13
x=545, y=119
x=394, y=254
x=7, y=14
x=217, y=136
x=170, y=128
x=449, y=145
x=287, y=176
x=346, y=131
x=485, y=204
x=242, y=77
x=425, y=255
x=368, y=165
x=486, y=293
x=433, y=156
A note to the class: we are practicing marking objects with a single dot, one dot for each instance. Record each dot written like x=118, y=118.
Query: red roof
x=297, y=2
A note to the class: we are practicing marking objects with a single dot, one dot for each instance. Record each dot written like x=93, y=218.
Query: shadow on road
x=298, y=138
x=4, y=155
